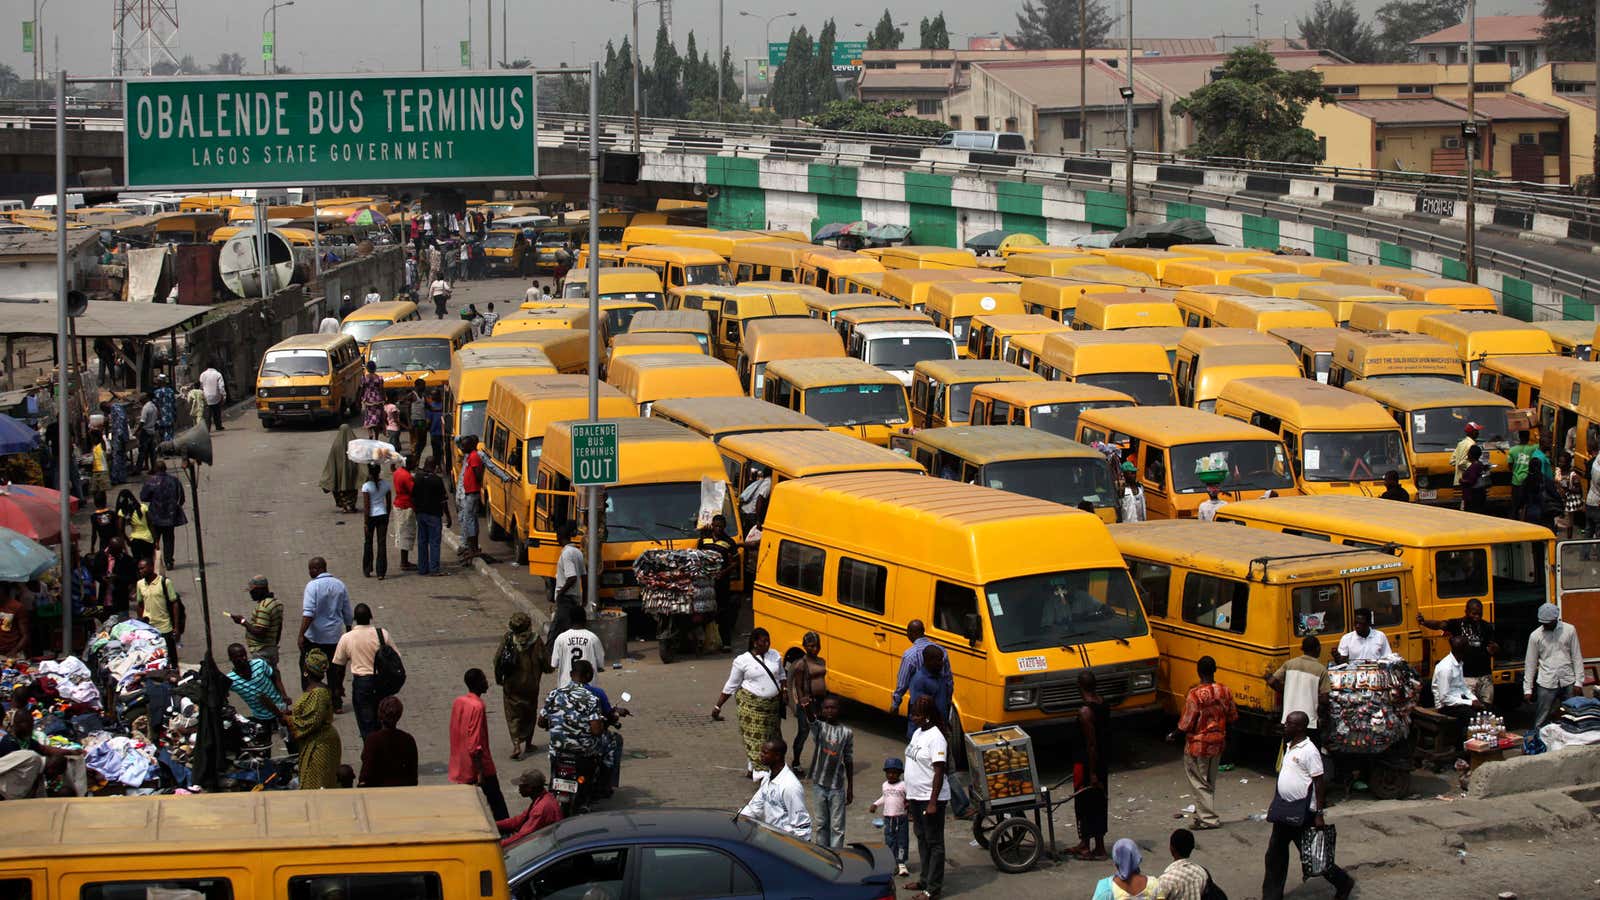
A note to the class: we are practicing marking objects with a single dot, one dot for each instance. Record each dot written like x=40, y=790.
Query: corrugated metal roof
x=1491, y=30
x=1054, y=85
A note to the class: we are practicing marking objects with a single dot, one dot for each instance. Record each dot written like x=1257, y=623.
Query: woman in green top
x=310, y=723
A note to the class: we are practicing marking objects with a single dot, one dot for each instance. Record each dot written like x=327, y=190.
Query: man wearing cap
x=1458, y=456
x=1210, y=505
x=542, y=809
x=1553, y=668
x=264, y=627
x=1130, y=508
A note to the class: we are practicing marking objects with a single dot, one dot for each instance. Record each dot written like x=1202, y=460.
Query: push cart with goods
x=1369, y=722
x=1016, y=818
x=678, y=588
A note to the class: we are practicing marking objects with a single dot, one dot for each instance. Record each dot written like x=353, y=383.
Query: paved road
x=264, y=513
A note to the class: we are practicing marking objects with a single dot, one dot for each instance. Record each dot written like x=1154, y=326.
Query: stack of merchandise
x=677, y=582
x=1369, y=705
x=1577, y=723
x=128, y=651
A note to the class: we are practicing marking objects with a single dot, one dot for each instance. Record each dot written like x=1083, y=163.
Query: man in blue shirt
x=610, y=741
x=258, y=685
x=325, y=616
x=910, y=661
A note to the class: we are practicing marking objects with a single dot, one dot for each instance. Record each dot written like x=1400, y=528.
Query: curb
x=513, y=593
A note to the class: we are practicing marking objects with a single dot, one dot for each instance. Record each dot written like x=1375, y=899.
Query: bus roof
x=1019, y=322
x=1198, y=339
x=1531, y=368
x=490, y=356
x=1296, y=400
x=864, y=314
x=800, y=454
x=1362, y=517
x=1316, y=337
x=971, y=533
x=984, y=444
x=444, y=329
x=947, y=371
x=697, y=320
x=383, y=310
x=133, y=826
x=1422, y=392
x=687, y=255
x=311, y=342
x=809, y=373
x=1461, y=329
x=1168, y=425
x=1033, y=393
x=717, y=416
x=649, y=450
x=901, y=328
x=1251, y=554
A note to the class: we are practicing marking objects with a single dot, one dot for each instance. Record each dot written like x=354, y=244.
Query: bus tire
x=520, y=543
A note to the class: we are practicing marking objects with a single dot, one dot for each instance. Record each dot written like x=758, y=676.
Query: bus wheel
x=496, y=533
x=518, y=542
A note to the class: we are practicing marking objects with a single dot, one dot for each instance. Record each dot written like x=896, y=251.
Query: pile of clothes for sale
x=676, y=582
x=127, y=651
x=1576, y=724
x=1369, y=705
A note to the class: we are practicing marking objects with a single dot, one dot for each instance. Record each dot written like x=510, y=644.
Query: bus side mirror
x=972, y=628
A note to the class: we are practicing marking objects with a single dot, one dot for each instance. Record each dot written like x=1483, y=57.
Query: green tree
x=935, y=36
x=1399, y=22
x=1569, y=28
x=731, y=90
x=705, y=110
x=228, y=64
x=1338, y=27
x=885, y=36
x=661, y=84
x=1254, y=110
x=792, y=82
x=1048, y=24
x=699, y=79
x=824, y=87
x=881, y=117
x=616, y=80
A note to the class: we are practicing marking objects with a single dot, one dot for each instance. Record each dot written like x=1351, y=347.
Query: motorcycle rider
x=572, y=715
x=610, y=776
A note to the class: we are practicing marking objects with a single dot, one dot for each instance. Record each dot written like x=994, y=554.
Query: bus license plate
x=1427, y=495
x=563, y=785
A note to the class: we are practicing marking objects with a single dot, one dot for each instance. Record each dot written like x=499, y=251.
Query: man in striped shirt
x=257, y=683
x=264, y=628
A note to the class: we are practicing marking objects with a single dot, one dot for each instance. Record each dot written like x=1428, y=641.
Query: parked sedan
x=689, y=853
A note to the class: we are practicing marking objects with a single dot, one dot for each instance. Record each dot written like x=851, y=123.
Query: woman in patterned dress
x=372, y=401
x=310, y=723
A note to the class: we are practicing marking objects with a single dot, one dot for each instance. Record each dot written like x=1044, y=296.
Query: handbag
x=388, y=668
x=1316, y=851
x=1293, y=813
x=783, y=708
x=1211, y=891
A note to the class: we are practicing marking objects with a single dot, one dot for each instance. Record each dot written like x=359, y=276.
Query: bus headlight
x=324, y=392
x=1142, y=681
x=1021, y=697
x=1422, y=481
x=262, y=393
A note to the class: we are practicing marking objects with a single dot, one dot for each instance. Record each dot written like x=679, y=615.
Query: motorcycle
x=572, y=780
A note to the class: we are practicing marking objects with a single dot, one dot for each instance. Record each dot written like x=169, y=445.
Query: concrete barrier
x=1522, y=774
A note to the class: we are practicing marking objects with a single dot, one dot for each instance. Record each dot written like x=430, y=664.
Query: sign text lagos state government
x=311, y=130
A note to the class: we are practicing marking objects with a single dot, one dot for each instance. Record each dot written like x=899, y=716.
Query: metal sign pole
x=64, y=453
x=592, y=529
x=262, y=267
x=316, y=242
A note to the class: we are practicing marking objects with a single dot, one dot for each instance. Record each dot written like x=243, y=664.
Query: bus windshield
x=1064, y=609
x=617, y=319
x=1146, y=388
x=857, y=404
x=905, y=353
x=471, y=415
x=1062, y=418
x=1438, y=430
x=1244, y=466
x=1352, y=455
x=295, y=362
x=660, y=512
x=424, y=354
x=709, y=273
x=364, y=330
x=651, y=297
x=1064, y=481
x=499, y=242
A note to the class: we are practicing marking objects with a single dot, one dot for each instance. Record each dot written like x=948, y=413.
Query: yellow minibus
x=1021, y=460
x=1434, y=414
x=693, y=322
x=1267, y=313
x=1178, y=453
x=679, y=266
x=1058, y=297
x=1052, y=406
x=782, y=455
x=1048, y=265
x=1274, y=284
x=1117, y=361
x=941, y=390
x=1147, y=261
x=649, y=377
x=989, y=335
x=1198, y=304
x=720, y=417
x=910, y=287
x=1210, y=358
x=951, y=306
x=1299, y=265
x=1521, y=378
x=826, y=306
x=636, y=343
x=865, y=282
x=769, y=340
x=1477, y=336
x=1369, y=276
x=1463, y=295
x=1392, y=354
x=912, y=256
x=849, y=396
x=827, y=267
x=472, y=374
x=1339, y=442
x=407, y=351
x=857, y=557
x=846, y=321
x=1208, y=271
x=309, y=376
x=1112, y=312
x=1340, y=300
x=567, y=350
x=1313, y=346
x=366, y=321
x=1394, y=315
x=1105, y=273
x=769, y=260
x=545, y=318
x=1220, y=252
x=1572, y=337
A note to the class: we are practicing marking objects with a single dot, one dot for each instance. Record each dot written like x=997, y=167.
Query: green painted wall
x=835, y=190
x=1021, y=207
x=1185, y=211
x=1394, y=255
x=1104, y=210
x=733, y=172
x=929, y=190
x=1453, y=268
x=1330, y=244
x=1261, y=231
x=737, y=208
x=932, y=225
x=1516, y=298
x=1575, y=308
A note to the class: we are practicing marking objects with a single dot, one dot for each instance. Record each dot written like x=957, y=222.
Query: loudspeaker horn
x=77, y=303
x=194, y=443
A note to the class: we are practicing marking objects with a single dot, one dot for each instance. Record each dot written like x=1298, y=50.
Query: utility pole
x=488, y=31
x=1083, y=75
x=422, y=36
x=721, y=51
x=1470, y=135
x=1127, y=101
x=505, y=32
x=469, y=34
x=1595, y=188
x=635, y=93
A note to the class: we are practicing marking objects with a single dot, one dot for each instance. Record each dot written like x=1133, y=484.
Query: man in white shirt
x=1365, y=644
x=1553, y=668
x=216, y=393
x=576, y=643
x=372, y=297
x=355, y=653
x=572, y=574
x=329, y=325
x=1210, y=505
x=780, y=800
x=440, y=292
x=1130, y=507
x=1449, y=684
x=489, y=318
x=1299, y=778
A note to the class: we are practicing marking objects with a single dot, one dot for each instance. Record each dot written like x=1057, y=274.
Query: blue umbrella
x=22, y=558
x=16, y=437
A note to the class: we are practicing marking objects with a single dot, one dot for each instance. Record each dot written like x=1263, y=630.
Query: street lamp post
x=422, y=36
x=1127, y=102
x=38, y=50
x=1470, y=134
x=720, y=53
x=272, y=58
x=768, y=46
x=635, y=61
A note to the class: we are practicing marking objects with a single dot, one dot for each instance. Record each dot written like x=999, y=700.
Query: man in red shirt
x=403, y=520
x=1207, y=712
x=470, y=760
x=542, y=809
x=471, y=495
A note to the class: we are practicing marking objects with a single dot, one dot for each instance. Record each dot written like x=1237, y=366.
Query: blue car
x=688, y=853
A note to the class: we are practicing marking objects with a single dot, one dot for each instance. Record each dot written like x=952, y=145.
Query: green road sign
x=228, y=132
x=27, y=37
x=466, y=54
x=594, y=453
x=846, y=54
x=267, y=38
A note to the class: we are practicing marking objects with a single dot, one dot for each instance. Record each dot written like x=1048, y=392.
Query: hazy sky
x=381, y=35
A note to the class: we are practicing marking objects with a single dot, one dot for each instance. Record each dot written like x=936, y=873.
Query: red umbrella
x=32, y=511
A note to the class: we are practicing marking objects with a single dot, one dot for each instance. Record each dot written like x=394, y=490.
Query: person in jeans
x=1300, y=778
x=433, y=515
x=927, y=794
x=1553, y=666
x=376, y=497
x=891, y=804
x=164, y=495
x=324, y=618
x=471, y=497
x=833, y=783
x=355, y=654
x=403, y=520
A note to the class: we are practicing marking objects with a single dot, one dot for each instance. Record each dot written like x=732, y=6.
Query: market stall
x=1369, y=722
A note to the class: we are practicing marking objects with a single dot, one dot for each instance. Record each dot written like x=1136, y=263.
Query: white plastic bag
x=713, y=497
x=367, y=450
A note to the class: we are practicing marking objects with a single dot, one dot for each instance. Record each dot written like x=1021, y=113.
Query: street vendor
x=1477, y=654
x=1364, y=644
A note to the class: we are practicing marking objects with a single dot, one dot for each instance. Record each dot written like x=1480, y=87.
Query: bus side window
x=1155, y=469
x=952, y=603
x=980, y=413
x=1185, y=382
x=1154, y=581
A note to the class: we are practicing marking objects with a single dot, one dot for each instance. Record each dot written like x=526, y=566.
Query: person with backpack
x=1186, y=879
x=161, y=607
x=368, y=654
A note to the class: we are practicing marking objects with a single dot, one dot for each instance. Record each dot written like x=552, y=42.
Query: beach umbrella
x=32, y=511
x=16, y=437
x=368, y=216
x=22, y=558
